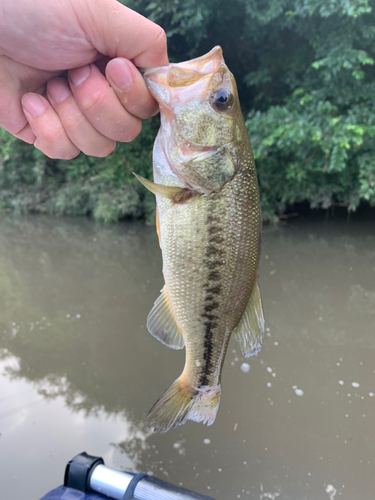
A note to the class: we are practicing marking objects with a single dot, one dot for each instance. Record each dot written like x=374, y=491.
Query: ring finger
x=77, y=127
x=50, y=136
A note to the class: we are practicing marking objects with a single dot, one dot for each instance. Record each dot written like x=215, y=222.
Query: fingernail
x=58, y=91
x=34, y=104
x=119, y=74
x=79, y=75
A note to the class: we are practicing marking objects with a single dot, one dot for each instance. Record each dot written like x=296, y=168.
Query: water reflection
x=74, y=298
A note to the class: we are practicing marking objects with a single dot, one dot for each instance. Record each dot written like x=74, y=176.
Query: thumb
x=117, y=31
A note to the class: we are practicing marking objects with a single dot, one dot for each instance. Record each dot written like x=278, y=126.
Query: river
x=79, y=371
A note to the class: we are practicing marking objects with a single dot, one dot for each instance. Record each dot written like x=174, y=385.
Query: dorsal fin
x=250, y=330
x=162, y=324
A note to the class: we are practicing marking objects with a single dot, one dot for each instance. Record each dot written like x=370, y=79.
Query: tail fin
x=182, y=402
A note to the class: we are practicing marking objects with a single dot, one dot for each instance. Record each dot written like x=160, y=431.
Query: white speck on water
x=294, y=387
x=245, y=367
x=68, y=315
x=207, y=441
x=349, y=394
x=275, y=343
x=274, y=374
x=341, y=382
x=371, y=394
x=220, y=469
x=271, y=496
x=269, y=384
x=269, y=369
x=78, y=316
x=338, y=364
x=299, y=392
x=267, y=329
x=331, y=491
x=355, y=384
x=346, y=415
x=176, y=445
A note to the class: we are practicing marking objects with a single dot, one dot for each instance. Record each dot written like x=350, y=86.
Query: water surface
x=79, y=371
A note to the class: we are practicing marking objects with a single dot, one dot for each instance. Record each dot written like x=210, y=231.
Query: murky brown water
x=79, y=371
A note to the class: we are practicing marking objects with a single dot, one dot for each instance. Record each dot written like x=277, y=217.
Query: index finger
x=125, y=33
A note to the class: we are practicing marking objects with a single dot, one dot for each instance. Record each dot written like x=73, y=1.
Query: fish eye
x=222, y=100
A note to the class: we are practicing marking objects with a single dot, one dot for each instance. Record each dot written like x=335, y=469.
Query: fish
x=209, y=226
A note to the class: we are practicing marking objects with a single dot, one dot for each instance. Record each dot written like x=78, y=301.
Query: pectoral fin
x=176, y=194
x=169, y=192
x=162, y=324
x=250, y=330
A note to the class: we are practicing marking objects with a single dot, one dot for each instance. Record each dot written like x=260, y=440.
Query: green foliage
x=102, y=187
x=305, y=73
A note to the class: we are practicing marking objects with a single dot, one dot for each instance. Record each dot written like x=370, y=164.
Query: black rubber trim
x=78, y=471
x=128, y=495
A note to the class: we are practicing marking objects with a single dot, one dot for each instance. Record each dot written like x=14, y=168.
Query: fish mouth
x=162, y=80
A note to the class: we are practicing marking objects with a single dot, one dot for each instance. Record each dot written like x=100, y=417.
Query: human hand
x=53, y=92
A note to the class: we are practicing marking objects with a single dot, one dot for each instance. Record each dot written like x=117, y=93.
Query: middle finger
x=100, y=105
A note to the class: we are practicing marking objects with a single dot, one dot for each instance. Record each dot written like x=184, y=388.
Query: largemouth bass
x=209, y=226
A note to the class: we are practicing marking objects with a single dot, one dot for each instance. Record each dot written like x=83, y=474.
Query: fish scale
x=209, y=232
x=191, y=282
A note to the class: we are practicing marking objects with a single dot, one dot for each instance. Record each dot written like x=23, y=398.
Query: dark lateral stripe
x=212, y=250
x=213, y=290
x=211, y=307
x=210, y=317
x=216, y=239
x=207, y=353
x=211, y=218
x=212, y=264
x=214, y=276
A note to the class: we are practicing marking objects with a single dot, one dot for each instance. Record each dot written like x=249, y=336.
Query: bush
x=305, y=73
x=102, y=187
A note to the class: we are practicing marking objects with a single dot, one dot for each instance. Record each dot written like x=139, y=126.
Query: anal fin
x=250, y=330
x=162, y=324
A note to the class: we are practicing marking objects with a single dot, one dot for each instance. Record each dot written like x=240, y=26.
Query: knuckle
x=55, y=145
x=51, y=134
x=145, y=108
x=161, y=37
x=96, y=99
x=132, y=132
x=60, y=155
x=103, y=152
x=69, y=155
x=72, y=121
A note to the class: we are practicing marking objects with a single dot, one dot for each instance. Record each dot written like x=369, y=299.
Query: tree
x=305, y=73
